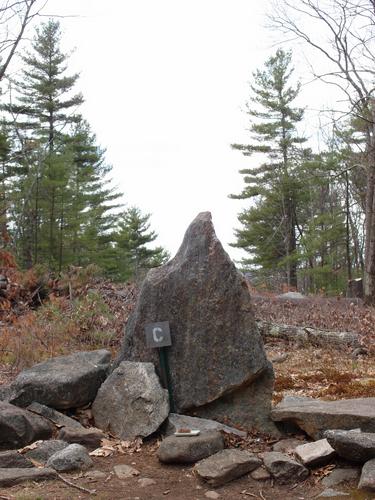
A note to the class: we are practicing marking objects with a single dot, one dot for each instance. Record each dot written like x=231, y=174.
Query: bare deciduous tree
x=343, y=31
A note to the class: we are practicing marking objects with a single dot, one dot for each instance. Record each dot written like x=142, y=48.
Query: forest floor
x=306, y=370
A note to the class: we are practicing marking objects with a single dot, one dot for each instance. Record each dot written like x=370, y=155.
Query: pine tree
x=41, y=113
x=275, y=184
x=132, y=237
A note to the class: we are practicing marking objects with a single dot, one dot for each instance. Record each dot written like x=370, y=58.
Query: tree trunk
x=369, y=274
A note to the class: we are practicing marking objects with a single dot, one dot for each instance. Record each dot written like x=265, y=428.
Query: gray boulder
x=340, y=475
x=367, y=480
x=19, y=427
x=226, y=465
x=14, y=459
x=315, y=416
x=91, y=437
x=54, y=416
x=10, y=477
x=62, y=382
x=176, y=422
x=218, y=366
x=354, y=446
x=283, y=468
x=73, y=457
x=45, y=449
x=131, y=402
x=190, y=449
x=316, y=453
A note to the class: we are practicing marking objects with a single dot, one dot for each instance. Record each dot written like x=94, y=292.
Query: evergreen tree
x=275, y=184
x=132, y=237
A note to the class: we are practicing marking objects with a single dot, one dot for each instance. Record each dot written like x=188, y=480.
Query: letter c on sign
x=155, y=331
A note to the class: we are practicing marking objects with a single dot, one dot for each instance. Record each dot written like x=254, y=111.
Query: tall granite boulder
x=218, y=367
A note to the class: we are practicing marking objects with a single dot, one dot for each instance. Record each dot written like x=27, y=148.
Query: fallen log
x=306, y=335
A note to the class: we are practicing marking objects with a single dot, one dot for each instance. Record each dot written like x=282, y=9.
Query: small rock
x=73, y=457
x=91, y=437
x=367, y=480
x=260, y=474
x=212, y=494
x=124, y=471
x=316, y=453
x=287, y=445
x=54, y=416
x=190, y=449
x=45, y=450
x=146, y=481
x=10, y=477
x=354, y=446
x=330, y=493
x=13, y=459
x=283, y=468
x=95, y=475
x=340, y=475
x=226, y=465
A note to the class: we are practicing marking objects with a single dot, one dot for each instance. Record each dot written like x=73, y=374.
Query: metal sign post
x=158, y=336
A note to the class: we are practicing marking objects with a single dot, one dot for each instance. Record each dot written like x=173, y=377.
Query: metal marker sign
x=158, y=334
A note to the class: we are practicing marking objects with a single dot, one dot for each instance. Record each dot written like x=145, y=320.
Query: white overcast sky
x=165, y=83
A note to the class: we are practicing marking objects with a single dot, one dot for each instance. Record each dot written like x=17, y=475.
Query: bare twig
x=81, y=488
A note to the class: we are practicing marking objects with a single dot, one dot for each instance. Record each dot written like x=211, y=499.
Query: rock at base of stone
x=91, y=437
x=10, y=477
x=73, y=457
x=316, y=416
x=315, y=454
x=19, y=427
x=124, y=471
x=284, y=469
x=226, y=466
x=176, y=422
x=340, y=475
x=190, y=449
x=353, y=446
x=217, y=350
x=62, y=382
x=131, y=403
x=14, y=459
x=260, y=474
x=45, y=449
x=248, y=407
x=54, y=416
x=287, y=445
x=367, y=480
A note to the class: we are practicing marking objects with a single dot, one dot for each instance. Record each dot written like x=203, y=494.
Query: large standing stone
x=354, y=446
x=315, y=416
x=190, y=449
x=62, y=382
x=218, y=366
x=226, y=465
x=19, y=427
x=131, y=402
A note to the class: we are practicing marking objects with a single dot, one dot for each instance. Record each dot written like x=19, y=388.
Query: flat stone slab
x=315, y=416
x=340, y=475
x=367, y=480
x=283, y=468
x=354, y=446
x=14, y=460
x=176, y=421
x=90, y=437
x=73, y=457
x=54, y=416
x=190, y=449
x=10, y=477
x=62, y=382
x=19, y=427
x=316, y=453
x=226, y=465
x=45, y=449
